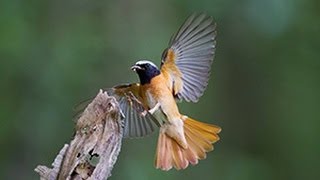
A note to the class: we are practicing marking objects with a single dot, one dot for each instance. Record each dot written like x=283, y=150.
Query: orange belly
x=158, y=92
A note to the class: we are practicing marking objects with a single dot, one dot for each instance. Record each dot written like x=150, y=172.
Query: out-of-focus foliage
x=264, y=89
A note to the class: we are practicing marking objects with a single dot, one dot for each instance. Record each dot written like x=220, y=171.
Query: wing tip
x=194, y=44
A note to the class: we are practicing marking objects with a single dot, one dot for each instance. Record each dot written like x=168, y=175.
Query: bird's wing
x=186, y=63
x=138, y=122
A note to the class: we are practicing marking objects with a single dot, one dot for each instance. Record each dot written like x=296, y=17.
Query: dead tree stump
x=95, y=146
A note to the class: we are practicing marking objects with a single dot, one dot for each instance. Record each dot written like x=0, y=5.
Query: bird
x=152, y=103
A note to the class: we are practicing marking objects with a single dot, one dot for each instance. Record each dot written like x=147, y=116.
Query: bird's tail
x=200, y=138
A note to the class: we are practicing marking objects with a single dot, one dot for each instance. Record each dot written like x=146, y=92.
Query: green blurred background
x=264, y=89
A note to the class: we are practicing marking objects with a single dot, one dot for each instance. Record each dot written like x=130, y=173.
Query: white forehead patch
x=145, y=62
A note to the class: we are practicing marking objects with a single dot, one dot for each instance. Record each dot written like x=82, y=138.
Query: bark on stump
x=95, y=147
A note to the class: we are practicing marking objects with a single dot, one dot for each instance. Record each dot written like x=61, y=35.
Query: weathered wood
x=95, y=146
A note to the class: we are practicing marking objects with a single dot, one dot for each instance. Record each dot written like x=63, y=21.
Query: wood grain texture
x=96, y=144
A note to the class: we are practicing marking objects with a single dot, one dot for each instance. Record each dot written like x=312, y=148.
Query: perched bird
x=183, y=75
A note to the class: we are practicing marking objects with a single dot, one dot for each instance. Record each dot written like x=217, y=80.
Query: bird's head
x=146, y=71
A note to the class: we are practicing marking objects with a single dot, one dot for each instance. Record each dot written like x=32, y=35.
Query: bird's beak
x=135, y=67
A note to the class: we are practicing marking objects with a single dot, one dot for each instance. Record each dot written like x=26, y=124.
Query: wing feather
x=136, y=124
x=187, y=61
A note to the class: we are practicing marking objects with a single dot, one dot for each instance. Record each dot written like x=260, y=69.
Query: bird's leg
x=156, y=107
x=151, y=111
x=144, y=113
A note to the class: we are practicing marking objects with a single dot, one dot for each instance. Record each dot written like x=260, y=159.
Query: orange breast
x=158, y=92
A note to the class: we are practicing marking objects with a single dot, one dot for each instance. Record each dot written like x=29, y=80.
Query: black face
x=146, y=72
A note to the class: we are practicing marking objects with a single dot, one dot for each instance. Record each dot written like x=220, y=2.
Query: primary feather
x=187, y=61
x=131, y=103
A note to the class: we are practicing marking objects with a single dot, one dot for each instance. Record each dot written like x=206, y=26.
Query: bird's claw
x=144, y=113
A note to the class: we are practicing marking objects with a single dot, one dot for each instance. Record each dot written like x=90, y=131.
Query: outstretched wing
x=138, y=121
x=186, y=63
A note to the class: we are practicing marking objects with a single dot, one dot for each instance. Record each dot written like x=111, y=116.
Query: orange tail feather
x=200, y=138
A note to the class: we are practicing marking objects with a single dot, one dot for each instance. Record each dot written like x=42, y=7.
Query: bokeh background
x=264, y=89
